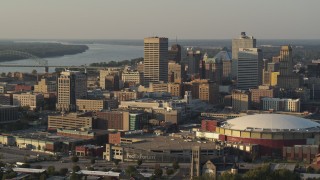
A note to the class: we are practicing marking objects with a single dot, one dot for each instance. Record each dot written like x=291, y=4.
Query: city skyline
x=81, y=19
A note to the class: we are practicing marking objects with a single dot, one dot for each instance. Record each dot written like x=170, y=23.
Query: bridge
x=40, y=62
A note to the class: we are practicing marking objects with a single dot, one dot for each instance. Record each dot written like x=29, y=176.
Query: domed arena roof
x=272, y=122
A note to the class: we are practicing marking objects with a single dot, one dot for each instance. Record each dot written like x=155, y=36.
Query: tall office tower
x=249, y=68
x=193, y=60
x=287, y=79
x=226, y=59
x=174, y=54
x=243, y=41
x=213, y=69
x=72, y=85
x=155, y=60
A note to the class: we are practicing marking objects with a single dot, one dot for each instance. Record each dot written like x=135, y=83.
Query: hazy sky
x=136, y=19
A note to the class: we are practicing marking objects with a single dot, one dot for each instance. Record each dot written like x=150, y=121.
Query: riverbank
x=39, y=49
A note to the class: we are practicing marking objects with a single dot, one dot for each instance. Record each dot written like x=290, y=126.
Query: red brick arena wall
x=267, y=146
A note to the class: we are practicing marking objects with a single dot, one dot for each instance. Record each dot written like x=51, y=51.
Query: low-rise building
x=277, y=104
x=209, y=125
x=257, y=94
x=241, y=100
x=6, y=99
x=175, y=89
x=69, y=121
x=22, y=88
x=8, y=113
x=90, y=150
x=3, y=88
x=45, y=86
x=138, y=120
x=306, y=153
x=125, y=95
x=115, y=138
x=113, y=120
x=33, y=100
x=167, y=115
x=96, y=105
x=132, y=77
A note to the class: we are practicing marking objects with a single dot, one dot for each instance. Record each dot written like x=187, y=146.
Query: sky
x=136, y=19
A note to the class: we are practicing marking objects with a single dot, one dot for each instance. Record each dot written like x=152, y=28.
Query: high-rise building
x=249, y=68
x=226, y=58
x=193, y=60
x=155, y=60
x=213, y=69
x=174, y=53
x=72, y=85
x=45, y=86
x=287, y=79
x=243, y=41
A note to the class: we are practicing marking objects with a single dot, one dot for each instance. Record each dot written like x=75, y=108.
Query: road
x=14, y=154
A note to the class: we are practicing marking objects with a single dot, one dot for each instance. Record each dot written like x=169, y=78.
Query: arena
x=271, y=131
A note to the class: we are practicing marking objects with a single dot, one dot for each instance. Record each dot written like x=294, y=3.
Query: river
x=95, y=53
x=117, y=50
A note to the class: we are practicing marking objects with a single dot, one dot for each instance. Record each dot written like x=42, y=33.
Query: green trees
x=158, y=172
x=225, y=176
x=139, y=162
x=76, y=168
x=92, y=161
x=74, y=159
x=116, y=162
x=175, y=165
x=131, y=171
x=41, y=49
x=169, y=172
x=63, y=171
x=261, y=173
x=34, y=72
x=51, y=170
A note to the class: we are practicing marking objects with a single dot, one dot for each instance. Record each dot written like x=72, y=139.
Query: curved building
x=271, y=131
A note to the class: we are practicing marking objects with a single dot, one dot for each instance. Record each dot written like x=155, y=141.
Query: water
x=117, y=50
x=95, y=53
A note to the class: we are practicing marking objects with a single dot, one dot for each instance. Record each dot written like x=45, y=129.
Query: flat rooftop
x=167, y=143
x=42, y=136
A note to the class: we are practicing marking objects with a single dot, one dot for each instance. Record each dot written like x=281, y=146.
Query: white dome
x=271, y=122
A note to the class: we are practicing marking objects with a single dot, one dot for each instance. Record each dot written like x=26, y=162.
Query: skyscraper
x=287, y=79
x=249, y=68
x=72, y=85
x=155, y=59
x=243, y=41
x=174, y=54
x=193, y=59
